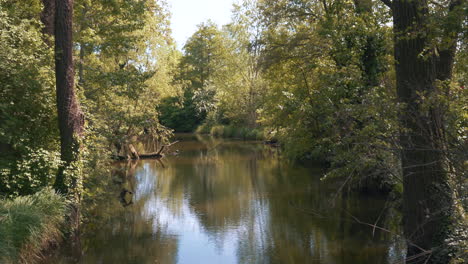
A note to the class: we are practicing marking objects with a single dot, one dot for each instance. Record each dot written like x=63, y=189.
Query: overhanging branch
x=387, y=3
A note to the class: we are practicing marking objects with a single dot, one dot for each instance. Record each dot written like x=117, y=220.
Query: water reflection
x=228, y=202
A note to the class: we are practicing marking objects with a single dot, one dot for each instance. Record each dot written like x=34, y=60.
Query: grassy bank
x=230, y=131
x=29, y=224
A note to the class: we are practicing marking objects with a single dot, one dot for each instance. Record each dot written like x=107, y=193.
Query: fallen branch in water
x=135, y=155
x=141, y=156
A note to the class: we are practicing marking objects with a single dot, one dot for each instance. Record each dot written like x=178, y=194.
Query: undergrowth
x=29, y=224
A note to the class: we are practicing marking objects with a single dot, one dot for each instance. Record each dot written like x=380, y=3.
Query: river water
x=227, y=201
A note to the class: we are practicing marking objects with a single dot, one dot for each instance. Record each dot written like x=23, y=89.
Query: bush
x=254, y=134
x=259, y=134
x=231, y=131
x=204, y=128
x=180, y=114
x=217, y=131
x=31, y=173
x=29, y=224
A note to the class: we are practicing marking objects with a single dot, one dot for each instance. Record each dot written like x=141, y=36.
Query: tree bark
x=70, y=117
x=428, y=199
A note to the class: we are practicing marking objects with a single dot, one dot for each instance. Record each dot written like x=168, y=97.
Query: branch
x=325, y=6
x=166, y=146
x=437, y=4
x=387, y=3
x=160, y=150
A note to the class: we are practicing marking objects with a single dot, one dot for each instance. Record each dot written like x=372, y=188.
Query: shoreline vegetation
x=232, y=131
x=31, y=224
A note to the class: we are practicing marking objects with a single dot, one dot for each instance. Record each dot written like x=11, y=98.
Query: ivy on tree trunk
x=70, y=117
x=429, y=198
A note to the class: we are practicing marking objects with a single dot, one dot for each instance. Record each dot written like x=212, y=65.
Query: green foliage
x=28, y=130
x=217, y=131
x=231, y=131
x=204, y=128
x=126, y=56
x=331, y=96
x=29, y=224
x=27, y=104
x=240, y=86
x=180, y=116
x=220, y=69
x=203, y=60
x=36, y=170
x=204, y=55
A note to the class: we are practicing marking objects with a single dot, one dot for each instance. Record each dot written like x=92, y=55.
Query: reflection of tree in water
x=217, y=184
x=127, y=185
x=118, y=234
x=235, y=193
x=237, y=186
x=221, y=188
x=297, y=234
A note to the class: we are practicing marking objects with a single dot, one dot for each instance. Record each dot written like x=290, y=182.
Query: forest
x=373, y=91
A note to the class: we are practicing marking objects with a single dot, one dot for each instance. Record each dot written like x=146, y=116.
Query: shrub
x=180, y=114
x=29, y=224
x=229, y=131
x=217, y=131
x=254, y=134
x=34, y=171
x=259, y=134
x=204, y=128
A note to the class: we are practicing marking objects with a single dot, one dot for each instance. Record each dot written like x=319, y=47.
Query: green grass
x=29, y=224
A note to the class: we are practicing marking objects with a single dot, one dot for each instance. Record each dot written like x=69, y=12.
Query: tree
x=330, y=95
x=203, y=55
x=424, y=58
x=203, y=59
x=70, y=117
x=240, y=87
x=126, y=55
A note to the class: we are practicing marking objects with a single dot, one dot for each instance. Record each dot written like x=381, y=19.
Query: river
x=228, y=201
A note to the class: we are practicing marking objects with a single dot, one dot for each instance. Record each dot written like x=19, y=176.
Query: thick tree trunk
x=428, y=199
x=70, y=117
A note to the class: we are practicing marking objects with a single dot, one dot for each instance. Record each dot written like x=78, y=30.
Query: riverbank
x=30, y=224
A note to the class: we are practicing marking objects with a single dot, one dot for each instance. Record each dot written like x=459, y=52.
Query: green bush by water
x=231, y=131
x=29, y=224
x=29, y=173
x=204, y=129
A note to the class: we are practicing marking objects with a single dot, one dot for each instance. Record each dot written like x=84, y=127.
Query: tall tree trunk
x=428, y=199
x=70, y=117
